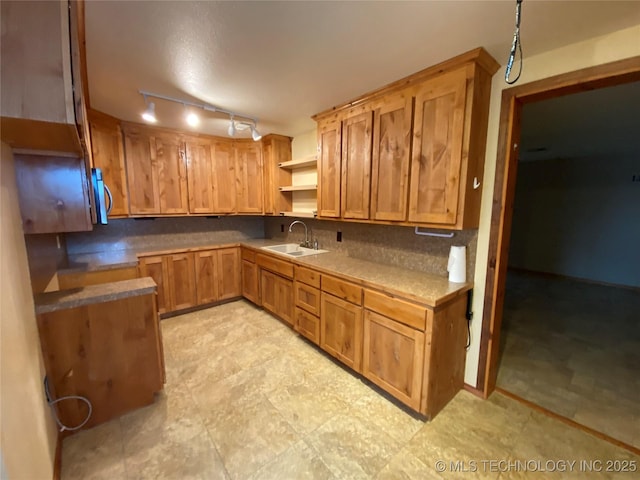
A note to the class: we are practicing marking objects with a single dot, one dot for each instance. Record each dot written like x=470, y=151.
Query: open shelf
x=298, y=188
x=299, y=214
x=300, y=163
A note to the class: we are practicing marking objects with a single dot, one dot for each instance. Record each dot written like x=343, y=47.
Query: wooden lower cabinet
x=307, y=325
x=250, y=282
x=229, y=281
x=341, y=330
x=109, y=352
x=156, y=268
x=181, y=281
x=307, y=298
x=276, y=293
x=189, y=279
x=206, y=265
x=393, y=357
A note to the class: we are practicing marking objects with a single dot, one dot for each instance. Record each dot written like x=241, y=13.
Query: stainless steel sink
x=293, y=250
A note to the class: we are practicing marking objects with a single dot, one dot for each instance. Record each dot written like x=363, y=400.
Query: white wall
x=578, y=217
x=27, y=429
x=596, y=51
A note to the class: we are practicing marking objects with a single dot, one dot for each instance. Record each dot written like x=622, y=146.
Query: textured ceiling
x=285, y=61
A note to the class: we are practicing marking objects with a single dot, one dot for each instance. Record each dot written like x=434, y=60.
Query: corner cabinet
x=187, y=279
x=430, y=128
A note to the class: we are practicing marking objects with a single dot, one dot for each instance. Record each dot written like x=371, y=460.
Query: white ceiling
x=285, y=61
x=595, y=123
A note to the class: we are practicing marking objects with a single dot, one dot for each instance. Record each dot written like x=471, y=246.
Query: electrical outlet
x=282, y=227
x=339, y=236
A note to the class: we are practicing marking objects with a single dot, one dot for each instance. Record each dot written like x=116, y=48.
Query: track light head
x=149, y=114
x=232, y=127
x=255, y=134
x=192, y=119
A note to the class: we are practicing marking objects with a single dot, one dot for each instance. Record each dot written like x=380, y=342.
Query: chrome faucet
x=306, y=242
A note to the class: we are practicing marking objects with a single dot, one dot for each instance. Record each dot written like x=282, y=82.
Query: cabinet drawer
x=307, y=298
x=248, y=255
x=307, y=325
x=404, y=312
x=341, y=289
x=310, y=277
x=273, y=264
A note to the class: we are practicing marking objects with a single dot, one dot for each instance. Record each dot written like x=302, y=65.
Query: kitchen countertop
x=106, y=292
x=428, y=289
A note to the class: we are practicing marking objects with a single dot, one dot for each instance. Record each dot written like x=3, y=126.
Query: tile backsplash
x=394, y=245
x=161, y=233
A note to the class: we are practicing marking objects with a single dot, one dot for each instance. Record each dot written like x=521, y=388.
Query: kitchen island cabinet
x=101, y=342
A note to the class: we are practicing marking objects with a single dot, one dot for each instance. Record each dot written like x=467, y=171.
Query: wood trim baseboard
x=478, y=393
x=568, y=421
x=57, y=459
x=569, y=277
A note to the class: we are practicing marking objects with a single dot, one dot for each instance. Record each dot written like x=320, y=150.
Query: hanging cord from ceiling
x=516, y=45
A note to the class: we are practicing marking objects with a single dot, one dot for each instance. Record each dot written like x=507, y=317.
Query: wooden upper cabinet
x=224, y=177
x=168, y=156
x=391, y=158
x=276, y=149
x=142, y=174
x=53, y=194
x=108, y=155
x=37, y=97
x=229, y=273
x=200, y=174
x=249, y=177
x=356, y=165
x=329, y=170
x=437, y=149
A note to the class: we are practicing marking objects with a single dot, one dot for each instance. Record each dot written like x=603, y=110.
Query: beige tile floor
x=574, y=348
x=246, y=398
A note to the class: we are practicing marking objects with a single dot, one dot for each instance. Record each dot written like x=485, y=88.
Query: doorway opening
x=570, y=339
x=513, y=101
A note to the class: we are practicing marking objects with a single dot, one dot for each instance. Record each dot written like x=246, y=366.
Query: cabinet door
x=249, y=177
x=341, y=330
x=108, y=155
x=284, y=300
x=224, y=178
x=182, y=280
x=437, y=149
x=307, y=325
x=268, y=290
x=142, y=174
x=391, y=156
x=169, y=156
x=229, y=282
x=156, y=268
x=250, y=282
x=206, y=265
x=356, y=165
x=53, y=194
x=200, y=175
x=307, y=298
x=329, y=170
x=393, y=357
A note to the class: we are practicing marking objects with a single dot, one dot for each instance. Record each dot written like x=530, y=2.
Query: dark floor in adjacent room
x=574, y=348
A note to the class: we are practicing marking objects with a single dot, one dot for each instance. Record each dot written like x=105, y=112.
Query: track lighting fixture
x=193, y=120
x=149, y=114
x=232, y=127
